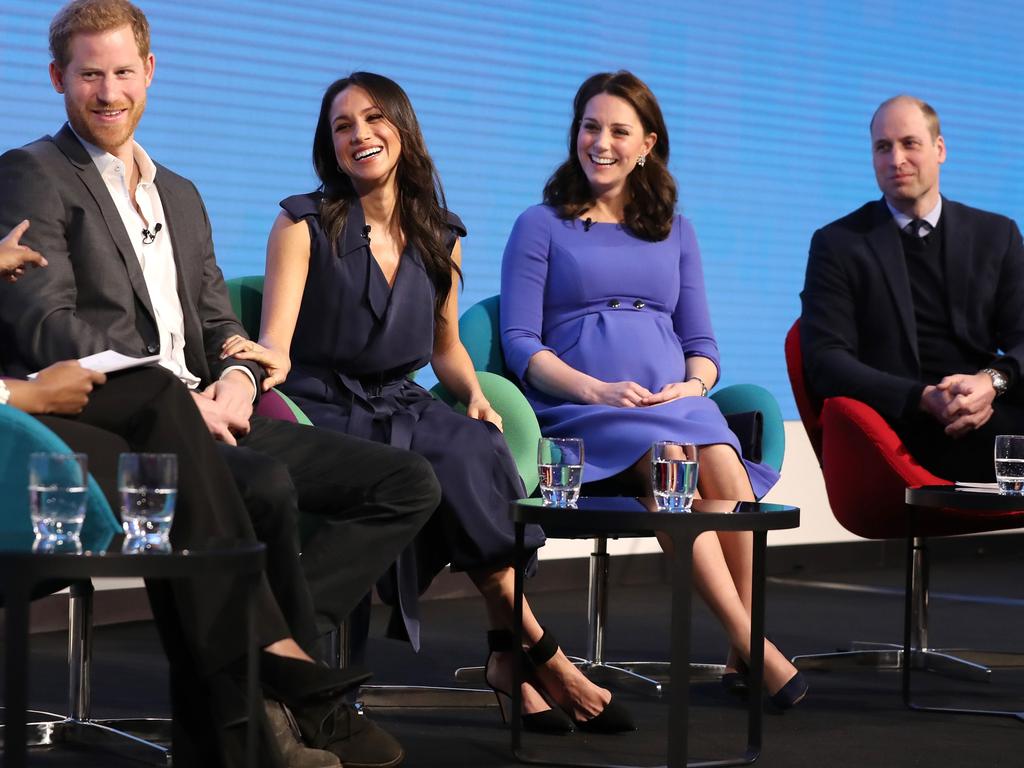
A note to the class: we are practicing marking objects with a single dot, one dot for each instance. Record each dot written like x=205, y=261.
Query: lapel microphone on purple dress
x=587, y=224
x=366, y=232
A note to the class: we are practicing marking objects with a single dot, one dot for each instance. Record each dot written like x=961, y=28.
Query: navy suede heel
x=791, y=694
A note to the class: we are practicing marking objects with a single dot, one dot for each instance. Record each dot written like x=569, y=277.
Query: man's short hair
x=91, y=16
x=930, y=115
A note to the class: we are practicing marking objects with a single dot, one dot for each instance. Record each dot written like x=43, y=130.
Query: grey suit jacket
x=93, y=296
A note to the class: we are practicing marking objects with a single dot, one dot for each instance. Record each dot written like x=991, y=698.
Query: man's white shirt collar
x=163, y=289
x=107, y=163
x=902, y=220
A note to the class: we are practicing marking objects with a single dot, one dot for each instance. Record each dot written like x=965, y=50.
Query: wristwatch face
x=999, y=381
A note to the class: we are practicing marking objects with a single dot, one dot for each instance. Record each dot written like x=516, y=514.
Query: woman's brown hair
x=651, y=190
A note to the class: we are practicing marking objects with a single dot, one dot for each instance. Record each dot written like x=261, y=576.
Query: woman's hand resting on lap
x=674, y=391
x=621, y=394
x=480, y=408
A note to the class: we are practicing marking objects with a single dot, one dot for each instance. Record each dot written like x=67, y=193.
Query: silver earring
x=641, y=160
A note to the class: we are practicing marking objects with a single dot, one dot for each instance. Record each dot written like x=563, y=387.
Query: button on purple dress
x=356, y=340
x=618, y=308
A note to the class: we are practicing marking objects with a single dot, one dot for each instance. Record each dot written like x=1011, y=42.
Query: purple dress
x=356, y=341
x=617, y=308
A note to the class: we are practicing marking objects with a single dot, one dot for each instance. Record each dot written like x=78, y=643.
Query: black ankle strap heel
x=550, y=720
x=614, y=718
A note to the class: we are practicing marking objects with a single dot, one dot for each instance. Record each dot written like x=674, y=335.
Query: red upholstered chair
x=867, y=470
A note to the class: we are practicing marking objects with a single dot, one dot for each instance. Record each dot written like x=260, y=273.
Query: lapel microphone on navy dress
x=147, y=236
x=587, y=224
x=366, y=232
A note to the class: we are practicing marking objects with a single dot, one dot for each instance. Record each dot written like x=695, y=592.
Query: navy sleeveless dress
x=356, y=340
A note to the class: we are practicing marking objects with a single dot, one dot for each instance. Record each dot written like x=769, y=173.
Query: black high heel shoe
x=550, y=720
x=738, y=682
x=791, y=694
x=614, y=718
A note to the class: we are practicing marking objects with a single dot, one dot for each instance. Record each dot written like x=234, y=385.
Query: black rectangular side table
x=21, y=568
x=928, y=503
x=621, y=515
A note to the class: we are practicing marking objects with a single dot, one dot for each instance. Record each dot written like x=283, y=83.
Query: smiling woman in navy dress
x=359, y=293
x=605, y=320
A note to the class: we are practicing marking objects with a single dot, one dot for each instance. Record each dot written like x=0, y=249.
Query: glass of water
x=674, y=475
x=560, y=465
x=148, y=483
x=1009, y=457
x=56, y=488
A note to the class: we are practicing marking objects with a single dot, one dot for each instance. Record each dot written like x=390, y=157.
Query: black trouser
x=366, y=500
x=371, y=500
x=970, y=457
x=150, y=410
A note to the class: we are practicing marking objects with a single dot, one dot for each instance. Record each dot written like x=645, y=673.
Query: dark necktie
x=918, y=228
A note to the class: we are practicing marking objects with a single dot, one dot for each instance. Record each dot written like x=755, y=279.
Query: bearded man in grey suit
x=914, y=304
x=132, y=268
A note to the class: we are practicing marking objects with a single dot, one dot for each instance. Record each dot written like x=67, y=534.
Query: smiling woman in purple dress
x=604, y=319
x=360, y=292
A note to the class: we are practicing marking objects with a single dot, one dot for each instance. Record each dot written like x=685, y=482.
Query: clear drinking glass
x=148, y=483
x=560, y=465
x=674, y=475
x=56, y=490
x=1009, y=457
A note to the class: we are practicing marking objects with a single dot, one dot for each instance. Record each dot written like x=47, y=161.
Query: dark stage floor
x=853, y=718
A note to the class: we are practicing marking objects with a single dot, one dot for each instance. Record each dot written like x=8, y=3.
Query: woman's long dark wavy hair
x=421, y=206
x=651, y=190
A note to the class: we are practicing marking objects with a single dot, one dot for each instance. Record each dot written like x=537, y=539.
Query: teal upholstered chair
x=479, y=328
x=21, y=435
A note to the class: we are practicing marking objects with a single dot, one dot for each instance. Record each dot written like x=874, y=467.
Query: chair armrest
x=275, y=404
x=518, y=419
x=740, y=398
x=20, y=435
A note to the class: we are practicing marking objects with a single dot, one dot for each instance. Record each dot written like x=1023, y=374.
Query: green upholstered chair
x=520, y=425
x=246, y=295
x=21, y=435
x=480, y=330
x=518, y=421
x=521, y=432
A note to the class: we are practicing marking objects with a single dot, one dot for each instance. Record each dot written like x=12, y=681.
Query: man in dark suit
x=914, y=304
x=131, y=267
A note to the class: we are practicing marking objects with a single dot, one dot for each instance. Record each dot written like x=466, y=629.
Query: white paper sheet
x=110, y=361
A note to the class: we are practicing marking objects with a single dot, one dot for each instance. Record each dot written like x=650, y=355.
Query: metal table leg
x=16, y=596
x=679, y=677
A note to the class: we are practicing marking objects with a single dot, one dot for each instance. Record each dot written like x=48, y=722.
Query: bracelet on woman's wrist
x=703, y=386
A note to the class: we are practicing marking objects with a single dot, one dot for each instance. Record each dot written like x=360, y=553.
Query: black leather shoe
x=294, y=680
x=358, y=742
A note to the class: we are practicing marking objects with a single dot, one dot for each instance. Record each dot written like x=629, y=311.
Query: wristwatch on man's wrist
x=999, y=381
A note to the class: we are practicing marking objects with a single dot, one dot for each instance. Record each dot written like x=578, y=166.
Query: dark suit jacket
x=857, y=328
x=92, y=296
